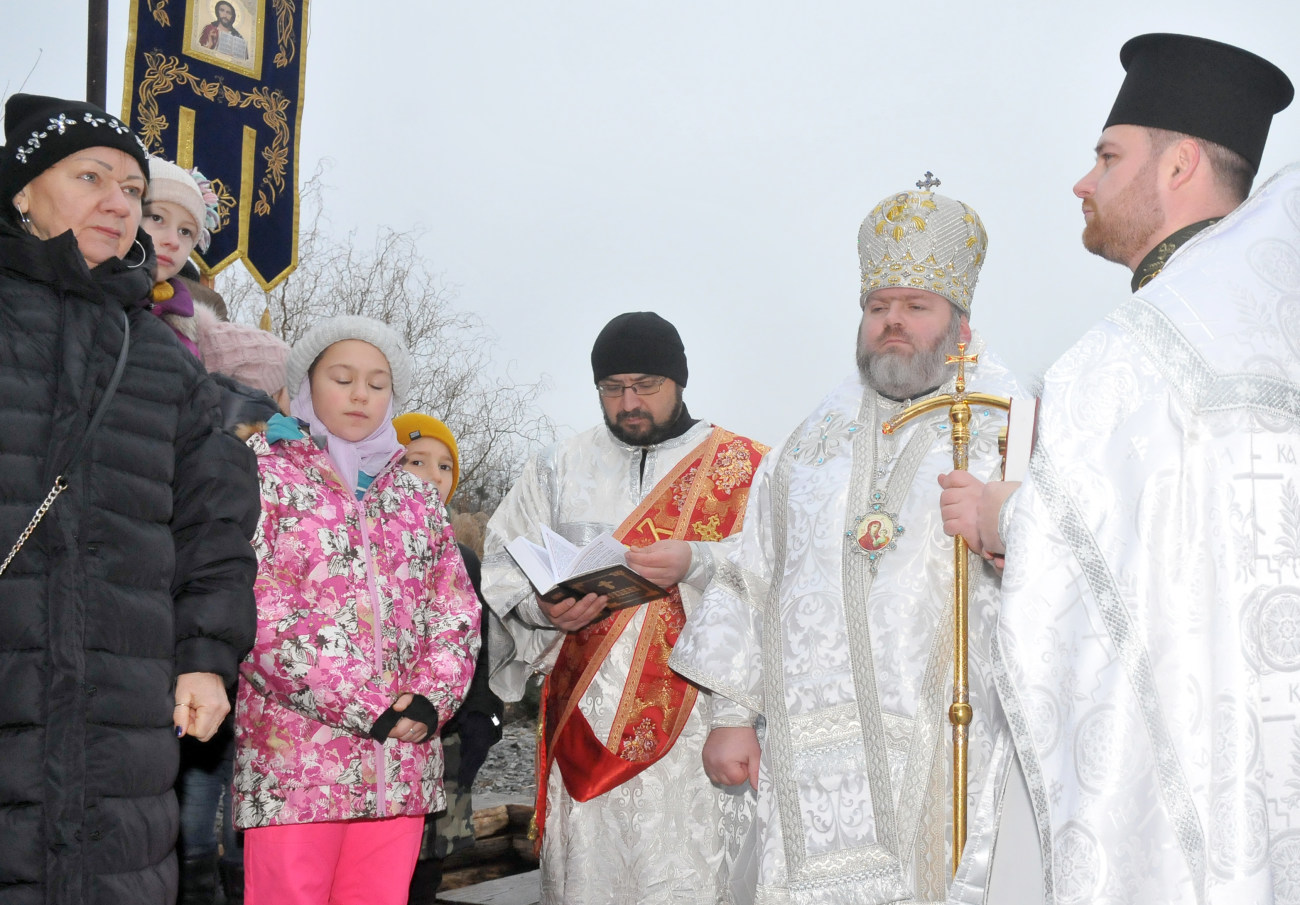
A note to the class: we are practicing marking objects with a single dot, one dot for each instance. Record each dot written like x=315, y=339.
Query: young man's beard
x=901, y=376
x=656, y=432
x=1129, y=222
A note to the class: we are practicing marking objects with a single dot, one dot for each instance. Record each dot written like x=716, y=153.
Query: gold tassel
x=265, y=322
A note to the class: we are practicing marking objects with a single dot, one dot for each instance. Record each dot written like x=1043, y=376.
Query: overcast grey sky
x=711, y=161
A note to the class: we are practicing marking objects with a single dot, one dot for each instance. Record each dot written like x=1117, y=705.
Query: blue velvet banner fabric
x=218, y=84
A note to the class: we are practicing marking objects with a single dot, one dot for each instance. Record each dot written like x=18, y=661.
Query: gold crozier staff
x=960, y=713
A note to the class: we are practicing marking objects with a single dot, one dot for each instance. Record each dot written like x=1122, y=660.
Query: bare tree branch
x=495, y=418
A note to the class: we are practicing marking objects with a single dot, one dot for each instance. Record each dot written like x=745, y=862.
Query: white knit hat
x=352, y=326
x=921, y=240
x=168, y=182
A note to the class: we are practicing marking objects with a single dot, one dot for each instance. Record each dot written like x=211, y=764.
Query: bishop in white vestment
x=829, y=626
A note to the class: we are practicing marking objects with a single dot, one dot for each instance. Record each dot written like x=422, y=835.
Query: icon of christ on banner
x=225, y=33
x=221, y=34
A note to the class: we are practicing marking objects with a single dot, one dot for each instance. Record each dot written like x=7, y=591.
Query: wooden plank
x=519, y=889
x=490, y=820
x=521, y=816
x=481, y=852
x=478, y=873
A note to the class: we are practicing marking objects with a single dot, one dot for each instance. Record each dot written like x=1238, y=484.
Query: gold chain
x=60, y=485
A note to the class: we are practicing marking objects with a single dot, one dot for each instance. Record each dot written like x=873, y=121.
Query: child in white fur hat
x=368, y=631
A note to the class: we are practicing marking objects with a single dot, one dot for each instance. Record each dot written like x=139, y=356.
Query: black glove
x=478, y=732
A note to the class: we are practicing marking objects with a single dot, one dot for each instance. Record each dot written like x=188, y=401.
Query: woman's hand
x=201, y=705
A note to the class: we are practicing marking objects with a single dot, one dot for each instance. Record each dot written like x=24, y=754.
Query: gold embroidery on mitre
x=946, y=234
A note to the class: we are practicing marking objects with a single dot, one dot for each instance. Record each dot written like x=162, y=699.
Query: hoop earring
x=143, y=255
x=25, y=223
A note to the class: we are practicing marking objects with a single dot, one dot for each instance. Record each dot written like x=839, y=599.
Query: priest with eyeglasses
x=624, y=811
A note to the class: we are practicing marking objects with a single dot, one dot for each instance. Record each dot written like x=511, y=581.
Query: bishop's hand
x=960, y=506
x=971, y=508
x=731, y=756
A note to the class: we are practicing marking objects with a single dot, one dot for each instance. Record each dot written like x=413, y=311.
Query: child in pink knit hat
x=250, y=355
x=179, y=213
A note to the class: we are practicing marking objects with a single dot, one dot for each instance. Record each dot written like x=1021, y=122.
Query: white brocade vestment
x=657, y=838
x=852, y=672
x=1149, y=650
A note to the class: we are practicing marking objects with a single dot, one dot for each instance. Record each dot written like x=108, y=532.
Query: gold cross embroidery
x=655, y=531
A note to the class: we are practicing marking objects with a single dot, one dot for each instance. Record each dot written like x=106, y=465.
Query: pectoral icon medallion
x=876, y=532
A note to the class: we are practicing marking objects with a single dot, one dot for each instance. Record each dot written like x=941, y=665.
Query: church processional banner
x=218, y=85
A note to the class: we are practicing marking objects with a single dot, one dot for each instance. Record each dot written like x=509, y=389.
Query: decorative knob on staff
x=960, y=713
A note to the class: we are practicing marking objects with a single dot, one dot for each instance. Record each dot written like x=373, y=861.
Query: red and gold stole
x=702, y=498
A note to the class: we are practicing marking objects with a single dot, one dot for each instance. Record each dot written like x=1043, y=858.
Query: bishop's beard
x=901, y=375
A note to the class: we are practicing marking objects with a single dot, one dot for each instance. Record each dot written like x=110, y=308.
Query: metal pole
x=97, y=53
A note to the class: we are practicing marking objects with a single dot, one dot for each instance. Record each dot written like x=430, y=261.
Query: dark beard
x=897, y=377
x=658, y=432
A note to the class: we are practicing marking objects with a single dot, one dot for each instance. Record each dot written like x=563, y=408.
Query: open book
x=557, y=569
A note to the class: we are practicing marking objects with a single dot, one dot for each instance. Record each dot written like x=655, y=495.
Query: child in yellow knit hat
x=431, y=455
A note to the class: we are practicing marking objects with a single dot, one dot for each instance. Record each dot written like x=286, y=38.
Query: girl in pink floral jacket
x=368, y=629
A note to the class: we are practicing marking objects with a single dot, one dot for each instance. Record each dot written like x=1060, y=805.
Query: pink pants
x=368, y=862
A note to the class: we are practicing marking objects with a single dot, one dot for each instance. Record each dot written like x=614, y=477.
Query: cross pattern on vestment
x=657, y=532
x=1271, y=564
x=929, y=182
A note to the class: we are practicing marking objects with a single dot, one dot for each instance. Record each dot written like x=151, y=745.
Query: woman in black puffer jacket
x=130, y=606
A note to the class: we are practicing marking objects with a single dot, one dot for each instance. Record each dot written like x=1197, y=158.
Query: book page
x=534, y=562
x=561, y=552
x=601, y=552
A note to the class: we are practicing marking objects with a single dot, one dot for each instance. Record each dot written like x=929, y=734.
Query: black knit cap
x=1202, y=88
x=639, y=342
x=40, y=131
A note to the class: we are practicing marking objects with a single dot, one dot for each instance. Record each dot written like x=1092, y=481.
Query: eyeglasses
x=646, y=386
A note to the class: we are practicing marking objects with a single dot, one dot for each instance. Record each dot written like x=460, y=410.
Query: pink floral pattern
x=357, y=603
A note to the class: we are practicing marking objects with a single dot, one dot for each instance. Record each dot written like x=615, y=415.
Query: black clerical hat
x=1202, y=88
x=639, y=342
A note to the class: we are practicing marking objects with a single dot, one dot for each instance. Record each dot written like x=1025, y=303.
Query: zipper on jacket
x=381, y=777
